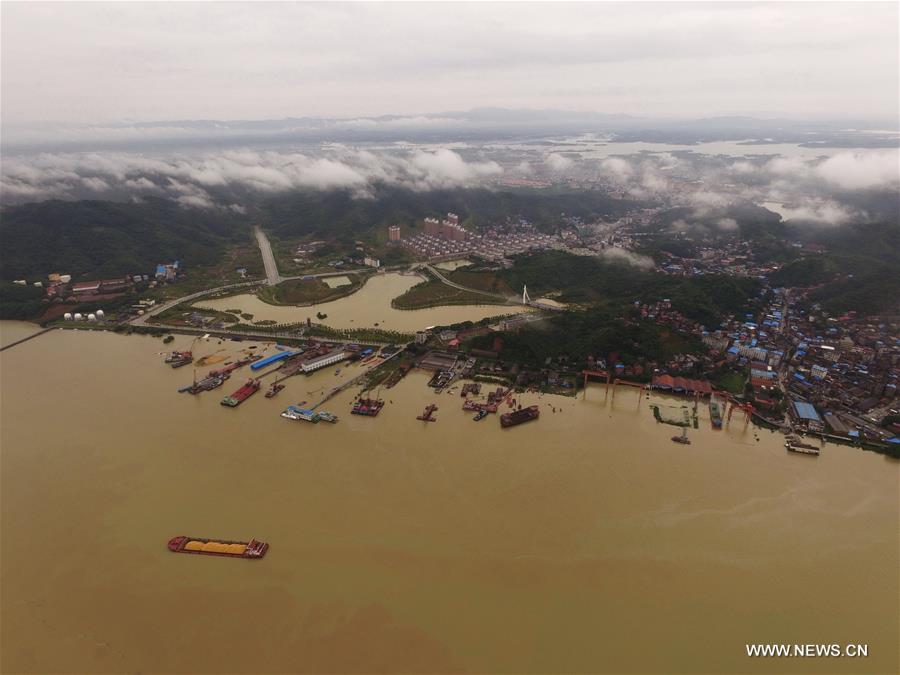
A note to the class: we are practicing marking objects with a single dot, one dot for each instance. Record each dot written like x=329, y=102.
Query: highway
x=272, y=276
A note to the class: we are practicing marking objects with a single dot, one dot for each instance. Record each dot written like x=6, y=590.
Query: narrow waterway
x=585, y=541
x=370, y=306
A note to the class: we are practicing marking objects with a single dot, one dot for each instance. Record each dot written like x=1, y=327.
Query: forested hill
x=103, y=239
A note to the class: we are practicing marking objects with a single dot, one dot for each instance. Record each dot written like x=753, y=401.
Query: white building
x=324, y=360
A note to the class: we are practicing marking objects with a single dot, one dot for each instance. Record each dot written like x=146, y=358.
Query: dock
x=26, y=339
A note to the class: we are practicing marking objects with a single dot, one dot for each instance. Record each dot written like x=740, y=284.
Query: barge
x=241, y=394
x=368, y=407
x=520, y=416
x=252, y=549
x=794, y=444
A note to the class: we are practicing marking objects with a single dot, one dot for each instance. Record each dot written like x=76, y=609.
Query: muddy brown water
x=367, y=307
x=583, y=542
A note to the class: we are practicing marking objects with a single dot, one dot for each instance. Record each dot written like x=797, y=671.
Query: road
x=514, y=300
x=453, y=284
x=158, y=309
x=272, y=276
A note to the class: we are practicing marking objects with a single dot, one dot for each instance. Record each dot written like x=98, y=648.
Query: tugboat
x=274, y=388
x=480, y=415
x=683, y=438
x=516, y=417
x=177, y=356
x=428, y=414
x=178, y=359
x=253, y=549
x=715, y=412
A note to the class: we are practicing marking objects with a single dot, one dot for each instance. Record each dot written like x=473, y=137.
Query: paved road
x=514, y=300
x=272, y=276
x=453, y=284
x=158, y=309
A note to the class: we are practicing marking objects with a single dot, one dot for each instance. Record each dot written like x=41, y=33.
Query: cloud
x=856, y=171
x=615, y=254
x=195, y=181
x=558, y=162
x=618, y=167
x=727, y=224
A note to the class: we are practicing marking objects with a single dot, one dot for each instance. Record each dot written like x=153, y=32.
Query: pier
x=26, y=339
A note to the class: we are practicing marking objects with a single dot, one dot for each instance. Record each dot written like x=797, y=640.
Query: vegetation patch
x=436, y=293
x=309, y=291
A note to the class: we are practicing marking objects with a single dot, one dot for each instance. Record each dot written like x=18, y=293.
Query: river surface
x=583, y=542
x=369, y=306
x=10, y=331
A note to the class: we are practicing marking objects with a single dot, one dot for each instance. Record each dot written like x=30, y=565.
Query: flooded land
x=585, y=541
x=369, y=306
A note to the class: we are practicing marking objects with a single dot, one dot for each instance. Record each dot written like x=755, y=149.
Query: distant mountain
x=479, y=124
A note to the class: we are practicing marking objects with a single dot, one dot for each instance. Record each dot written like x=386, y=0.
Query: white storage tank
x=100, y=313
x=67, y=316
x=78, y=316
x=65, y=278
x=92, y=317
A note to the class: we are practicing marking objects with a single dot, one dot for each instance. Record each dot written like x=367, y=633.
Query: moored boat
x=683, y=439
x=368, y=407
x=274, y=388
x=794, y=444
x=516, y=417
x=326, y=416
x=233, y=549
x=241, y=394
x=292, y=412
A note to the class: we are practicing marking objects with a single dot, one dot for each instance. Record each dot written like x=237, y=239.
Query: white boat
x=294, y=413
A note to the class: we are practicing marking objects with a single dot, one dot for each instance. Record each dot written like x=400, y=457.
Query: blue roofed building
x=805, y=415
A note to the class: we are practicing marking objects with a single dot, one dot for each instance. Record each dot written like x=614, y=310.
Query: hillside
x=103, y=239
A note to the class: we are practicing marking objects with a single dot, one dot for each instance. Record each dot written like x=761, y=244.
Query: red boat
x=511, y=419
x=369, y=407
x=233, y=549
x=241, y=394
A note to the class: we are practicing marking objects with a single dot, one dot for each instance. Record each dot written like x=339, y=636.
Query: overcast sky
x=97, y=62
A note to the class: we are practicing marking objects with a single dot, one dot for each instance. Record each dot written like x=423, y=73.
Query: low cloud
x=196, y=181
x=558, y=162
x=620, y=255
